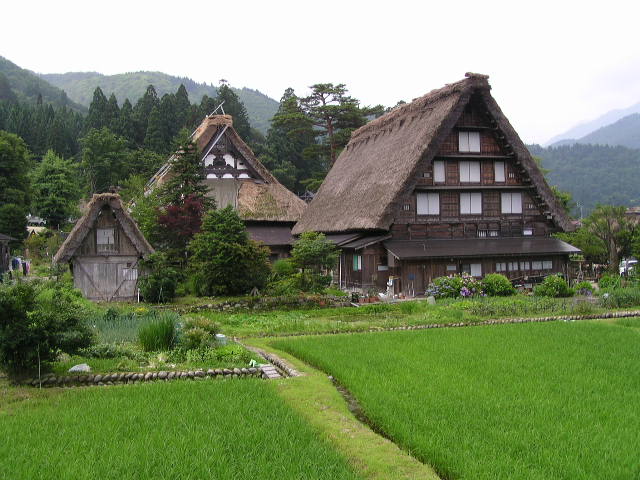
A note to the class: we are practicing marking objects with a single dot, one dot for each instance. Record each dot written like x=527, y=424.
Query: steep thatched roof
x=84, y=225
x=263, y=199
x=377, y=166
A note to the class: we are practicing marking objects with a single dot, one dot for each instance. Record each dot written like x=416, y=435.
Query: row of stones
x=114, y=378
x=278, y=362
x=596, y=316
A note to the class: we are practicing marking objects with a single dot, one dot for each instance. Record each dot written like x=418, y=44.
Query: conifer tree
x=98, y=111
x=112, y=113
x=155, y=138
x=142, y=111
x=234, y=107
x=15, y=187
x=6, y=94
x=182, y=107
x=126, y=123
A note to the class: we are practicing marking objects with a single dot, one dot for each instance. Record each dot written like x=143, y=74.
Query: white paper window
x=428, y=203
x=130, y=274
x=470, y=203
x=511, y=202
x=476, y=269
x=513, y=266
x=438, y=171
x=469, y=171
x=524, y=266
x=536, y=265
x=469, y=142
x=452, y=268
x=547, y=265
x=501, y=267
x=498, y=168
x=527, y=231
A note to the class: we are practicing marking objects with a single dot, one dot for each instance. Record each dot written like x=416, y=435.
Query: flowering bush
x=455, y=286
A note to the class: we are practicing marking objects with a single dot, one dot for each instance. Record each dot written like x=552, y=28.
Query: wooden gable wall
x=106, y=219
x=450, y=222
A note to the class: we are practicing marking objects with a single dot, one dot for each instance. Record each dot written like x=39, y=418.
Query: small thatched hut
x=103, y=250
x=236, y=177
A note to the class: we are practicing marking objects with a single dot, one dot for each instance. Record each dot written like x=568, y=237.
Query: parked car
x=627, y=265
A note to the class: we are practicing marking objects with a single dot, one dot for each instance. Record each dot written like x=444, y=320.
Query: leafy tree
x=103, y=157
x=610, y=225
x=181, y=222
x=593, y=249
x=313, y=253
x=15, y=188
x=55, y=189
x=98, y=116
x=159, y=284
x=224, y=261
x=145, y=210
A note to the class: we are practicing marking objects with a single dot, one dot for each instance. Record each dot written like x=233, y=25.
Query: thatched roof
x=263, y=199
x=84, y=225
x=380, y=162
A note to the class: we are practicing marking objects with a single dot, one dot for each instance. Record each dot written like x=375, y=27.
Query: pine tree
x=112, y=113
x=126, y=123
x=182, y=107
x=98, y=116
x=155, y=138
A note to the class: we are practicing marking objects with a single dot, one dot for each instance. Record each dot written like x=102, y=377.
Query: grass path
x=317, y=400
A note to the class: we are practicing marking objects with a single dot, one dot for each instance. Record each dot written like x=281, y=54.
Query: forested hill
x=81, y=85
x=25, y=86
x=593, y=173
x=625, y=132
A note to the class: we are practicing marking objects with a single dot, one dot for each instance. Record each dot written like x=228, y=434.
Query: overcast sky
x=552, y=64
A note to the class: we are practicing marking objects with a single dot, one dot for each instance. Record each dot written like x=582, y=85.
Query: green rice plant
x=179, y=430
x=158, y=334
x=519, y=401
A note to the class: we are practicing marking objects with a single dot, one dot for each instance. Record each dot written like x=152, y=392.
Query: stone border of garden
x=501, y=321
x=50, y=380
x=261, y=303
x=274, y=360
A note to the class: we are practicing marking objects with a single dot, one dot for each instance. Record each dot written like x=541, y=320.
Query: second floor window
x=105, y=240
x=438, y=171
x=469, y=172
x=511, y=202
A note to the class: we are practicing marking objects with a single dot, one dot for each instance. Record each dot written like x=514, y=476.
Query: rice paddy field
x=554, y=400
x=180, y=430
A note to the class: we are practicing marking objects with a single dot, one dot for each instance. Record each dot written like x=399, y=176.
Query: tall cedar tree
x=98, y=116
x=15, y=188
x=142, y=112
x=126, y=123
x=112, y=113
x=234, y=107
x=290, y=136
x=182, y=107
x=55, y=189
x=335, y=115
x=224, y=261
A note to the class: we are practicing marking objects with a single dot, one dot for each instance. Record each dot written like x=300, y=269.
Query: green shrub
x=284, y=267
x=621, y=298
x=111, y=350
x=609, y=281
x=198, y=332
x=584, y=288
x=455, y=286
x=39, y=320
x=553, y=286
x=160, y=282
x=497, y=285
x=158, y=334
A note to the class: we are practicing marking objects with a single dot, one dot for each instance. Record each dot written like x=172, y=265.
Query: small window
x=524, y=266
x=469, y=172
x=498, y=169
x=406, y=207
x=536, y=265
x=452, y=268
x=511, y=202
x=130, y=274
x=501, y=267
x=105, y=240
x=473, y=269
x=426, y=174
x=547, y=265
x=469, y=142
x=470, y=203
x=357, y=263
x=428, y=203
x=527, y=232
x=438, y=171
x=513, y=266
